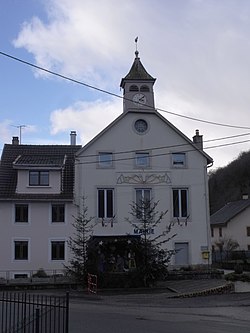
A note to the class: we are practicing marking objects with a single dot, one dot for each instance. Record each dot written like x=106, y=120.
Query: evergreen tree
x=79, y=244
x=152, y=255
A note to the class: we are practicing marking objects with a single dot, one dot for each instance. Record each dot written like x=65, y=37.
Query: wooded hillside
x=229, y=183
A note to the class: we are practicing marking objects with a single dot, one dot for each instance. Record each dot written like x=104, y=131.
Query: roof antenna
x=20, y=131
x=136, y=51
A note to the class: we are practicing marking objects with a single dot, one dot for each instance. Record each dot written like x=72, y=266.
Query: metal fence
x=229, y=259
x=34, y=277
x=32, y=313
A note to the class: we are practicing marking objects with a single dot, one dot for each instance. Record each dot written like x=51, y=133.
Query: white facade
x=139, y=155
x=142, y=152
x=236, y=228
x=36, y=208
x=38, y=232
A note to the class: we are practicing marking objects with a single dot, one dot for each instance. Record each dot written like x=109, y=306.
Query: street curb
x=227, y=288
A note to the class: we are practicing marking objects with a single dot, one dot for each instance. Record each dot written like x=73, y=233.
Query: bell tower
x=137, y=85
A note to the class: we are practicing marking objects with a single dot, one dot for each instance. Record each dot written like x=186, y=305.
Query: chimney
x=15, y=140
x=73, y=138
x=198, y=140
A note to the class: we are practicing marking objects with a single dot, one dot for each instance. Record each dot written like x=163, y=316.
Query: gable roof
x=157, y=114
x=20, y=156
x=229, y=211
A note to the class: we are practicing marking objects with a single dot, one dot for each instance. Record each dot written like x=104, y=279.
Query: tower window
x=144, y=88
x=133, y=88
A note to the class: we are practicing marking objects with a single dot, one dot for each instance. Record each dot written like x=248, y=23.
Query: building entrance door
x=181, y=255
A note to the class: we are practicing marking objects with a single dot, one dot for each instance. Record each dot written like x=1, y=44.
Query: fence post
x=37, y=328
x=92, y=283
x=24, y=313
x=67, y=313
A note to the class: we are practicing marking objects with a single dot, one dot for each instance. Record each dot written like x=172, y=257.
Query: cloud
x=87, y=118
x=5, y=130
x=199, y=51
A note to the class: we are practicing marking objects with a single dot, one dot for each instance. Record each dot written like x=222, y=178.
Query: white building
x=36, y=207
x=231, y=223
x=142, y=155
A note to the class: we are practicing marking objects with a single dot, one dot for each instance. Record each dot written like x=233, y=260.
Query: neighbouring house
x=142, y=156
x=36, y=206
x=232, y=222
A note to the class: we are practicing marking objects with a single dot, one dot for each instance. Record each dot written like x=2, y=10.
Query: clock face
x=139, y=99
x=141, y=126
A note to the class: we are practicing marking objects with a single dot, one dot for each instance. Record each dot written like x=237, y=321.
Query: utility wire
x=157, y=155
x=173, y=146
x=118, y=96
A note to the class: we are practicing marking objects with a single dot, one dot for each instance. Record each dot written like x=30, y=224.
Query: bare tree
x=227, y=246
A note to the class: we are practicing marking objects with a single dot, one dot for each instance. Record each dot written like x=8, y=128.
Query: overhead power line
x=118, y=96
x=154, y=155
x=182, y=145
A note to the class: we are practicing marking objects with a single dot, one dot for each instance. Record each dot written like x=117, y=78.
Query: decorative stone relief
x=144, y=178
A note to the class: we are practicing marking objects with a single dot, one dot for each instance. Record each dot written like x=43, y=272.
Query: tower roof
x=137, y=72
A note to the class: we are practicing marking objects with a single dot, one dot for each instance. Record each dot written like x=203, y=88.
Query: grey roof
x=36, y=155
x=229, y=211
x=137, y=72
x=39, y=160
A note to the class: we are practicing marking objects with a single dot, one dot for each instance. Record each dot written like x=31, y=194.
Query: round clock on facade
x=139, y=99
x=141, y=126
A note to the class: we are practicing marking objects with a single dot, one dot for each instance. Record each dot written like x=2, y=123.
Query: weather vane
x=136, y=51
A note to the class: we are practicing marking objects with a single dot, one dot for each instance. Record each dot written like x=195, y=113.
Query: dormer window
x=144, y=88
x=39, y=178
x=133, y=88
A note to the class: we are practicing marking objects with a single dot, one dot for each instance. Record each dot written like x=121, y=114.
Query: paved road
x=157, y=313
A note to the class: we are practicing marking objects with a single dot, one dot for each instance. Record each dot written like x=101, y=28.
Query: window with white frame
x=142, y=159
x=58, y=250
x=105, y=159
x=178, y=160
x=39, y=178
x=21, y=213
x=58, y=213
x=180, y=202
x=21, y=250
x=105, y=203
x=143, y=201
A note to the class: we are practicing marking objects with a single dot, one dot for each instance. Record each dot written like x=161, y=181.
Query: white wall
x=122, y=137
x=236, y=229
x=54, y=183
x=39, y=232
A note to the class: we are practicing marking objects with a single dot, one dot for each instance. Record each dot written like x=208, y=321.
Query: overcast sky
x=199, y=51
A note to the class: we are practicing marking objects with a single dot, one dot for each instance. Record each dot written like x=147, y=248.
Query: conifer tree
x=152, y=253
x=79, y=243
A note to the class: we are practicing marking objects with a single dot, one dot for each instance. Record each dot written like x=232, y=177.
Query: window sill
x=38, y=186
x=181, y=220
